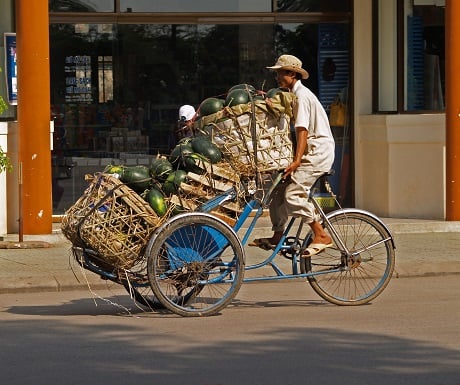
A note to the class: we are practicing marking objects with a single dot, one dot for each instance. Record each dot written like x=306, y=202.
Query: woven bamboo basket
x=200, y=188
x=254, y=137
x=112, y=220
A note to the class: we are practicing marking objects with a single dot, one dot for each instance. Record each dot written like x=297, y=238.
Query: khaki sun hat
x=291, y=63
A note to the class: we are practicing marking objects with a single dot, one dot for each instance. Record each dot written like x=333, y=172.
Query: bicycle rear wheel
x=139, y=289
x=360, y=273
x=195, y=264
x=143, y=295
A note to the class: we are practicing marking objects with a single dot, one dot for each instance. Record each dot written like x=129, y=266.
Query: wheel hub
x=354, y=261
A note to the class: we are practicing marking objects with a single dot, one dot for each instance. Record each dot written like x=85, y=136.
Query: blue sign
x=11, y=67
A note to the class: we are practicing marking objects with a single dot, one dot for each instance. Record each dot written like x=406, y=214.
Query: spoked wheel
x=195, y=264
x=143, y=295
x=139, y=289
x=360, y=273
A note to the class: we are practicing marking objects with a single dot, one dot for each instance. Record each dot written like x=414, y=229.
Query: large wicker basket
x=254, y=137
x=112, y=220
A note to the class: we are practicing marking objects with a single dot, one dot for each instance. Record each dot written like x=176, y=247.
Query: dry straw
x=254, y=137
x=112, y=220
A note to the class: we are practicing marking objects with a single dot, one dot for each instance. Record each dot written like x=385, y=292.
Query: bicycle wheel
x=138, y=286
x=359, y=272
x=143, y=295
x=195, y=264
x=139, y=289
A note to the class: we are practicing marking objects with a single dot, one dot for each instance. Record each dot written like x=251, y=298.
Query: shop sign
x=11, y=67
x=78, y=79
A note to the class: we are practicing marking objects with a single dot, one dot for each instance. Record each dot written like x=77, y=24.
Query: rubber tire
x=353, y=283
x=195, y=264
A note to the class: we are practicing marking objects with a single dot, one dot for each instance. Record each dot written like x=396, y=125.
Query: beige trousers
x=291, y=198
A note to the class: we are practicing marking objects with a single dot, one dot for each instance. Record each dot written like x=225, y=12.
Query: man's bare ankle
x=322, y=240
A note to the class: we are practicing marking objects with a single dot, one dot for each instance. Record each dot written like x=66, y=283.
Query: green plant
x=3, y=105
x=5, y=162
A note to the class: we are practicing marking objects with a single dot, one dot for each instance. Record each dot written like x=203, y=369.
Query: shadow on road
x=122, y=350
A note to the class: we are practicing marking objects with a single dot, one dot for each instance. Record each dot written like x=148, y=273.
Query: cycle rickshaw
x=194, y=263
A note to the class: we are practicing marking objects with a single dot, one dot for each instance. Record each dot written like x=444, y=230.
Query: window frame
x=400, y=63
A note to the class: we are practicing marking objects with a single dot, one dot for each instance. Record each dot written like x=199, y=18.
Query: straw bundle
x=112, y=220
x=254, y=137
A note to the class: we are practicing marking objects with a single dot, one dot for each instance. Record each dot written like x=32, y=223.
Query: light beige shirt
x=310, y=114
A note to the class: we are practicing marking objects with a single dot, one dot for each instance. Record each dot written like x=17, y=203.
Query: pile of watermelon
x=196, y=170
x=236, y=95
x=250, y=127
x=163, y=178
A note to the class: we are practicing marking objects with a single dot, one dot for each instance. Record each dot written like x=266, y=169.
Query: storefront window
x=425, y=55
x=410, y=69
x=195, y=6
x=116, y=88
x=187, y=6
x=82, y=5
x=313, y=5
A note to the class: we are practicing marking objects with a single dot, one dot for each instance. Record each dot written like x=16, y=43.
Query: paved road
x=273, y=334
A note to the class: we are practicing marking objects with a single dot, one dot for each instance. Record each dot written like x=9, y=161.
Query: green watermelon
x=236, y=97
x=244, y=86
x=114, y=169
x=207, y=130
x=210, y=106
x=173, y=181
x=180, y=151
x=195, y=163
x=203, y=145
x=272, y=92
x=157, y=202
x=137, y=177
x=160, y=169
x=185, y=140
x=177, y=209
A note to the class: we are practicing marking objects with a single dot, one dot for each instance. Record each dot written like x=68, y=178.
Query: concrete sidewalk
x=45, y=263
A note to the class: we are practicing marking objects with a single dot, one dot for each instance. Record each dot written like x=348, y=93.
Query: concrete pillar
x=32, y=33
x=452, y=110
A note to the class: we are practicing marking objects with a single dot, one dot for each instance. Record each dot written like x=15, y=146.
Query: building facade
x=120, y=70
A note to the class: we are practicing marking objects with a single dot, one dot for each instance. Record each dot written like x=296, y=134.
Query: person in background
x=184, y=128
x=313, y=155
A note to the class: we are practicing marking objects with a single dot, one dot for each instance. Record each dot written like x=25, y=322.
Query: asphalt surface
x=45, y=263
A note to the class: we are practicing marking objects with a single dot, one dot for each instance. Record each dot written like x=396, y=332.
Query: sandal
x=315, y=248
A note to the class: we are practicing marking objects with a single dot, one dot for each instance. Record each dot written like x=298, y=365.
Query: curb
x=24, y=245
x=69, y=282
